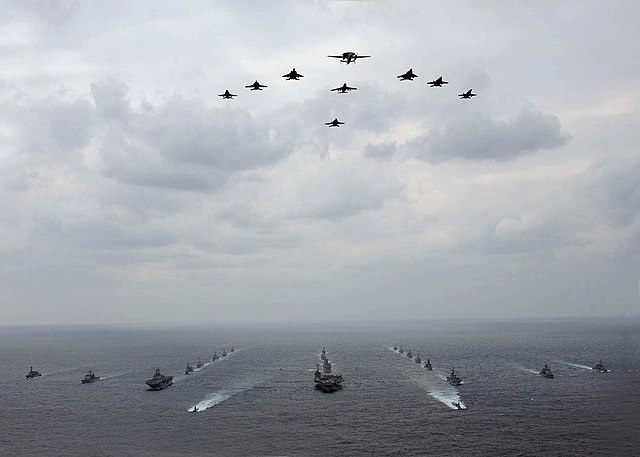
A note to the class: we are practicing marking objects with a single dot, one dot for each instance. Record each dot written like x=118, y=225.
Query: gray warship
x=453, y=379
x=546, y=372
x=189, y=369
x=327, y=382
x=395, y=348
x=32, y=373
x=159, y=381
x=326, y=366
x=224, y=352
x=90, y=377
x=418, y=359
x=401, y=351
x=600, y=367
x=199, y=364
x=232, y=350
x=323, y=354
x=428, y=365
x=215, y=356
x=409, y=354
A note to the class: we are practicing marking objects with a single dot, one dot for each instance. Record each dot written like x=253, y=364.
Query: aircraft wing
x=363, y=57
x=336, y=57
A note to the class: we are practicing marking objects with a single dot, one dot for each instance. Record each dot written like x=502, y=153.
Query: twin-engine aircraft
x=334, y=123
x=255, y=86
x=408, y=76
x=348, y=57
x=293, y=74
x=437, y=82
x=227, y=94
x=343, y=89
x=467, y=94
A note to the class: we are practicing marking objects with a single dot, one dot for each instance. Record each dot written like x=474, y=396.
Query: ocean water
x=261, y=401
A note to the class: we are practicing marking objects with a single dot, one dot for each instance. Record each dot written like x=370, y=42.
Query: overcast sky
x=131, y=193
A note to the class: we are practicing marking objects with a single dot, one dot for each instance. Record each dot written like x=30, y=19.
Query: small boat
x=32, y=373
x=90, y=377
x=418, y=359
x=199, y=364
x=546, y=372
x=453, y=379
x=189, y=369
x=456, y=404
x=215, y=356
x=428, y=365
x=409, y=354
x=600, y=367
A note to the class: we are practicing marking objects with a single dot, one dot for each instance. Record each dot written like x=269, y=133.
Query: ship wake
x=216, y=398
x=575, y=365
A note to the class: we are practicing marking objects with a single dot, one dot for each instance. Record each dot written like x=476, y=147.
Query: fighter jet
x=334, y=123
x=408, y=76
x=343, y=89
x=293, y=74
x=467, y=94
x=348, y=57
x=438, y=82
x=255, y=86
x=227, y=94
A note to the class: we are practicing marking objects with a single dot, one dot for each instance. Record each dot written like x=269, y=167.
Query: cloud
x=380, y=150
x=477, y=137
x=110, y=98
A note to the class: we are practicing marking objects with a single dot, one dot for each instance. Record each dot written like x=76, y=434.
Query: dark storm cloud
x=482, y=138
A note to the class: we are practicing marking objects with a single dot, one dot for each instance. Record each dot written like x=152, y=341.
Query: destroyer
x=453, y=379
x=395, y=348
x=199, y=364
x=409, y=354
x=428, y=365
x=189, y=369
x=326, y=366
x=90, y=377
x=232, y=350
x=215, y=356
x=401, y=351
x=159, y=381
x=600, y=367
x=323, y=354
x=546, y=372
x=32, y=373
x=418, y=359
x=224, y=352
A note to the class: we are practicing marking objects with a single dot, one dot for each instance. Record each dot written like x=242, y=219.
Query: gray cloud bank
x=127, y=187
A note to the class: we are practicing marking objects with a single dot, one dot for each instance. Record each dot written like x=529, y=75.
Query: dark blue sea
x=260, y=400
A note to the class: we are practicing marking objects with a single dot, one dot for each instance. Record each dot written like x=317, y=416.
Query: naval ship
x=32, y=373
x=189, y=369
x=428, y=365
x=327, y=382
x=546, y=372
x=418, y=359
x=453, y=379
x=600, y=367
x=90, y=377
x=159, y=381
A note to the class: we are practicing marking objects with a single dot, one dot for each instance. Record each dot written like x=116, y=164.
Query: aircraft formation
x=347, y=58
